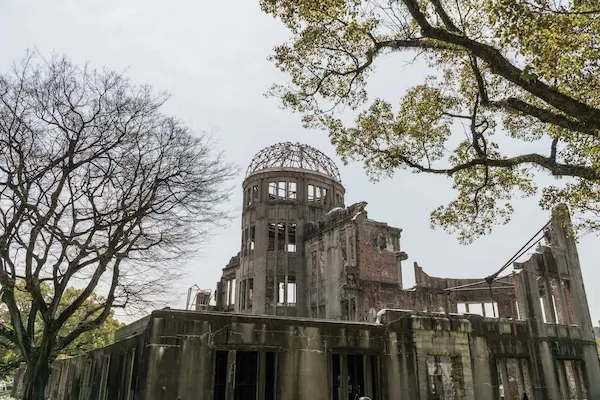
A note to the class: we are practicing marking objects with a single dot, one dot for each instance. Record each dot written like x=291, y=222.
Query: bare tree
x=99, y=190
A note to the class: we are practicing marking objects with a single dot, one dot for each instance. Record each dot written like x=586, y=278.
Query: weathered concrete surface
x=403, y=356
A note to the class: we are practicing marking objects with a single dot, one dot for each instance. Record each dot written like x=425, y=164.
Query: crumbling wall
x=377, y=248
x=206, y=355
x=117, y=372
x=353, y=265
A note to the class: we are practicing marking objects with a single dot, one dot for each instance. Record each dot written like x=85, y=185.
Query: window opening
x=272, y=190
x=252, y=238
x=311, y=193
x=290, y=289
x=317, y=193
x=245, y=242
x=281, y=193
x=356, y=376
x=517, y=310
x=242, y=294
x=246, y=375
x=271, y=246
x=475, y=308
x=228, y=293
x=291, y=293
x=243, y=376
x=351, y=380
x=232, y=292
x=292, y=190
x=324, y=195
x=491, y=310
x=250, y=288
x=271, y=376
x=281, y=293
x=220, y=384
x=281, y=236
x=255, y=193
x=291, y=242
x=337, y=379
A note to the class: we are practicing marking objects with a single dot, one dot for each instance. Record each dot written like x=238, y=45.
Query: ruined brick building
x=303, y=253
x=313, y=308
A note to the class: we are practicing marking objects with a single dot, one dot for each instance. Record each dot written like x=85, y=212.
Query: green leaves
x=10, y=356
x=384, y=140
x=525, y=70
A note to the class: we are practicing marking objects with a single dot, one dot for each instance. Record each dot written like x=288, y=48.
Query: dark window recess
x=245, y=242
x=242, y=294
x=271, y=246
x=246, y=375
x=220, y=374
x=271, y=376
x=356, y=376
x=344, y=307
x=281, y=236
x=255, y=193
x=374, y=378
x=353, y=309
x=336, y=375
x=352, y=381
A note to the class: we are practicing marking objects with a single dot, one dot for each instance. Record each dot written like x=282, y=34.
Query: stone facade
x=209, y=355
x=542, y=345
x=313, y=307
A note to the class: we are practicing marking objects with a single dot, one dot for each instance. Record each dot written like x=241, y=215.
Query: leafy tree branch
x=525, y=70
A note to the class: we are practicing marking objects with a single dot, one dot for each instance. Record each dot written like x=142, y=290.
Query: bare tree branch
x=96, y=186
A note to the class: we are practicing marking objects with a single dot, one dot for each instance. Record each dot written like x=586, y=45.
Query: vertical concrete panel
x=483, y=383
x=313, y=376
x=289, y=370
x=592, y=370
x=163, y=372
x=392, y=376
x=548, y=369
x=334, y=271
x=195, y=369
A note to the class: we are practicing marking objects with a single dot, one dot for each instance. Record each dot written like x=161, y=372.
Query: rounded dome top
x=293, y=155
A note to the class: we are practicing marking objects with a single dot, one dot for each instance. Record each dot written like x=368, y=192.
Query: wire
x=519, y=253
x=492, y=278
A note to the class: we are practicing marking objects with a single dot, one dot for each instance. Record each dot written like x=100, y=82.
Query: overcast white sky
x=211, y=56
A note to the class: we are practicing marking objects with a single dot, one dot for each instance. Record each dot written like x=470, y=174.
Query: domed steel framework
x=294, y=155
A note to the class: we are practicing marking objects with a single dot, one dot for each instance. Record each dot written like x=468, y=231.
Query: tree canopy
x=10, y=357
x=503, y=72
x=98, y=190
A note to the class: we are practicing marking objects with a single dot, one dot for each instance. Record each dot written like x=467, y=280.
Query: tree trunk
x=37, y=376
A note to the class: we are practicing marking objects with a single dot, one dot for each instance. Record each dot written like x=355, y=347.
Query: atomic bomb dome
x=293, y=155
